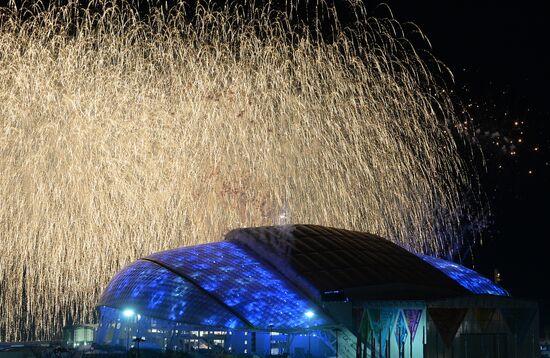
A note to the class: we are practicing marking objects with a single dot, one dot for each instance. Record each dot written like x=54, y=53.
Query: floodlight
x=128, y=313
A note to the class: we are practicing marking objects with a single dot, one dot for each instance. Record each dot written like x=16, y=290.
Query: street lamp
x=128, y=313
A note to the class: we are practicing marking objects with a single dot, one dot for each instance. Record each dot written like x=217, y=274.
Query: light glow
x=128, y=313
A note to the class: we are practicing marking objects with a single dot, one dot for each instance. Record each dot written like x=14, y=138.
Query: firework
x=123, y=134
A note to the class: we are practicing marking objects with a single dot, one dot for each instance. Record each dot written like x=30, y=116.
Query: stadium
x=311, y=291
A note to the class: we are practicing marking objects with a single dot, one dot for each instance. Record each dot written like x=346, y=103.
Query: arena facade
x=311, y=291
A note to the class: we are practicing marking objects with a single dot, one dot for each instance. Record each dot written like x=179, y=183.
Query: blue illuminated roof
x=216, y=284
x=243, y=283
x=154, y=291
x=469, y=279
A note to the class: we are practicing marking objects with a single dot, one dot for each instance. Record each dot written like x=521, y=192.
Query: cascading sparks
x=123, y=134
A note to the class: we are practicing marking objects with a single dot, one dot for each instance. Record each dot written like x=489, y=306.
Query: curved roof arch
x=326, y=260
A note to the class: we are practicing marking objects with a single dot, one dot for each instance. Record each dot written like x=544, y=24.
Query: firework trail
x=122, y=134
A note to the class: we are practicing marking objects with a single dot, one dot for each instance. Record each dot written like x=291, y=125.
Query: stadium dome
x=270, y=276
x=286, y=279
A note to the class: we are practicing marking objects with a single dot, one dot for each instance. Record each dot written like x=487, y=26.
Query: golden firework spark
x=123, y=134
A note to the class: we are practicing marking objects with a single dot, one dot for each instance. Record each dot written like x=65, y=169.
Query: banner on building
x=412, y=316
x=447, y=321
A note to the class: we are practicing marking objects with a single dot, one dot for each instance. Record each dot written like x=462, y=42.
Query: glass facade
x=75, y=336
x=118, y=332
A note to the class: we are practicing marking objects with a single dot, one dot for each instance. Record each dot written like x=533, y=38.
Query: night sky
x=497, y=51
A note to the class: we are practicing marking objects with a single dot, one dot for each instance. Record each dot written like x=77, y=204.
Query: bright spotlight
x=128, y=312
x=309, y=314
